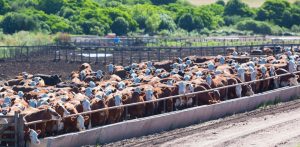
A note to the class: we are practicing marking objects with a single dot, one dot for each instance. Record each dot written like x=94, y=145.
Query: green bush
x=120, y=26
x=259, y=27
x=186, y=21
x=14, y=22
x=237, y=7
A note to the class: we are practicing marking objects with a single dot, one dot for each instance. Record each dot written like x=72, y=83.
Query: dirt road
x=271, y=126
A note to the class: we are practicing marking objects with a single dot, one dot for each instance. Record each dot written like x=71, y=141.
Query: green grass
x=251, y=3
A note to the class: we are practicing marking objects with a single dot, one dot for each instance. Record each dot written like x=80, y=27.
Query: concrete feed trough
x=168, y=121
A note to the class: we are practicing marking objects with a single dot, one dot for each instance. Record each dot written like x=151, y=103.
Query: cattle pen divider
x=158, y=100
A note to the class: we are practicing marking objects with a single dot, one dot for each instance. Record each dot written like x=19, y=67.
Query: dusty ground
x=272, y=126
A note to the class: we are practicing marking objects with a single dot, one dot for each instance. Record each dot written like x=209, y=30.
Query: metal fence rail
x=12, y=132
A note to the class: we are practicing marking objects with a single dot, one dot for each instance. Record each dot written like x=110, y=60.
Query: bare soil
x=276, y=125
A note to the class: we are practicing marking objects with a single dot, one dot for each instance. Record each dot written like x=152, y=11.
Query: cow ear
x=86, y=118
x=38, y=132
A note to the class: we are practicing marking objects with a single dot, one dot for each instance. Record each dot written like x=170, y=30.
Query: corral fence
x=173, y=41
x=127, y=54
x=12, y=130
x=126, y=107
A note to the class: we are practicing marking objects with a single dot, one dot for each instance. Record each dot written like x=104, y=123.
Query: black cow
x=50, y=80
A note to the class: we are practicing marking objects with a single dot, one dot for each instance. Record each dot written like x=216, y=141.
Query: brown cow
x=115, y=115
x=134, y=95
x=98, y=118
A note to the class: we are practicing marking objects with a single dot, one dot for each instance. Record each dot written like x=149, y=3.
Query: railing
x=12, y=132
x=159, y=99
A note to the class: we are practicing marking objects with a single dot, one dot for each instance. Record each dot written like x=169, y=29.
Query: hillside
x=153, y=17
x=251, y=3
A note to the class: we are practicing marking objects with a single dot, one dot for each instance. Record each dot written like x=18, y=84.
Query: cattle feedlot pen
x=157, y=100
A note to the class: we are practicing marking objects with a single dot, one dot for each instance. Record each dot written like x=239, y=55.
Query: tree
x=4, y=7
x=163, y=2
x=237, y=7
x=221, y=2
x=120, y=26
x=273, y=10
x=186, y=21
x=167, y=23
x=14, y=22
x=50, y=6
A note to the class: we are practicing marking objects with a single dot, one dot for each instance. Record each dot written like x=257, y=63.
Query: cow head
x=199, y=74
x=121, y=85
x=133, y=75
x=86, y=105
x=289, y=53
x=211, y=66
x=99, y=74
x=25, y=75
x=164, y=75
x=294, y=80
x=187, y=77
x=174, y=71
x=253, y=73
x=222, y=60
x=263, y=70
x=136, y=80
x=190, y=87
x=149, y=64
x=292, y=66
x=80, y=122
x=111, y=68
x=33, y=136
x=134, y=65
x=7, y=101
x=218, y=72
x=170, y=82
x=3, y=120
x=262, y=61
x=179, y=60
x=209, y=79
x=20, y=94
x=158, y=71
x=188, y=62
x=118, y=99
x=175, y=65
x=32, y=103
x=181, y=87
x=241, y=73
x=149, y=94
x=89, y=91
x=235, y=53
x=33, y=83
x=147, y=72
x=85, y=66
x=249, y=90
x=92, y=84
x=82, y=75
x=238, y=90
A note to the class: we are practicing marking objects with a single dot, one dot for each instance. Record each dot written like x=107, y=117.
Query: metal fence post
x=21, y=141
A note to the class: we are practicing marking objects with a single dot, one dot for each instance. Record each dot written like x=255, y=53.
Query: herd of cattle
x=47, y=97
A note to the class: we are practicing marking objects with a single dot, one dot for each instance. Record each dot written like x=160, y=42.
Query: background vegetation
x=153, y=17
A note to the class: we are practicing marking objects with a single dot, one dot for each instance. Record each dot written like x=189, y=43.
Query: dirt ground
x=271, y=126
